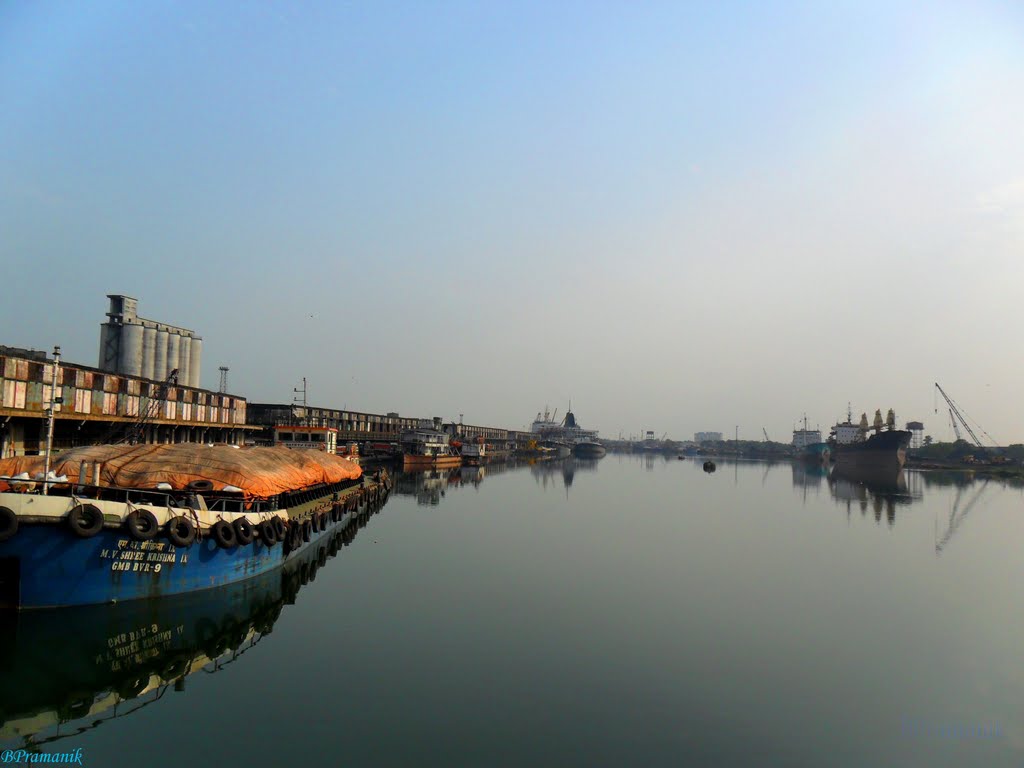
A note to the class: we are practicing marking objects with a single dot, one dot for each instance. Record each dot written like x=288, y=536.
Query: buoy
x=709, y=466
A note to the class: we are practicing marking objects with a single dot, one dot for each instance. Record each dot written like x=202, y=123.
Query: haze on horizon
x=681, y=216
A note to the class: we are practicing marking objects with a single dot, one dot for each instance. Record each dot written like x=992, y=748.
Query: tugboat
x=852, y=446
x=109, y=523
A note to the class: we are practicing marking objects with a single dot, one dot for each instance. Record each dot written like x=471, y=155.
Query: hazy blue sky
x=683, y=216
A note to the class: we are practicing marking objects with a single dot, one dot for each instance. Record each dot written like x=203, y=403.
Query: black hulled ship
x=853, y=445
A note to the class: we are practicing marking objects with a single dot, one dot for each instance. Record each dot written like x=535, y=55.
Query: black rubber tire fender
x=307, y=530
x=133, y=686
x=267, y=532
x=8, y=523
x=85, y=520
x=224, y=534
x=142, y=525
x=200, y=486
x=181, y=531
x=244, y=533
x=279, y=528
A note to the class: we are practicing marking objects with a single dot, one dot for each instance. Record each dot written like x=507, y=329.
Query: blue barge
x=86, y=545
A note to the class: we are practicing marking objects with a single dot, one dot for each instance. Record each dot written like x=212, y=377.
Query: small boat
x=474, y=453
x=112, y=523
x=586, y=447
x=428, y=446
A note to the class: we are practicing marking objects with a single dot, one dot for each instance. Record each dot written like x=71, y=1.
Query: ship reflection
x=548, y=472
x=429, y=486
x=66, y=671
x=876, y=490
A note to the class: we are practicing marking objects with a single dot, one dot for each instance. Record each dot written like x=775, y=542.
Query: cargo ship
x=112, y=523
x=852, y=445
x=809, y=445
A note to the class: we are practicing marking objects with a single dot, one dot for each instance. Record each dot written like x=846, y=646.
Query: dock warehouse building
x=98, y=406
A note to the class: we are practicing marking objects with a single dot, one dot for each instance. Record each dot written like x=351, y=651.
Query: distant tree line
x=955, y=451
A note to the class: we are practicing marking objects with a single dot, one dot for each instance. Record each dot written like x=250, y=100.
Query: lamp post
x=54, y=399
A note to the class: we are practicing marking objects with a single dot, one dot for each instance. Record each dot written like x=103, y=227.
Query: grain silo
x=135, y=346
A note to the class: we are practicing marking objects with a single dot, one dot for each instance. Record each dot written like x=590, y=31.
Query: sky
x=679, y=216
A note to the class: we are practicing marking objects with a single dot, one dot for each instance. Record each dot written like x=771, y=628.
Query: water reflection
x=429, y=486
x=547, y=473
x=877, y=490
x=128, y=656
x=958, y=512
x=809, y=477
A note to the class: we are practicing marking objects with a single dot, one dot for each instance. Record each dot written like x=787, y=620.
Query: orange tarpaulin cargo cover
x=258, y=472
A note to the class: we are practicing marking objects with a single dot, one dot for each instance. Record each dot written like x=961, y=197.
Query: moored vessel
x=474, y=453
x=127, y=656
x=809, y=445
x=852, y=445
x=123, y=522
x=567, y=434
x=428, y=446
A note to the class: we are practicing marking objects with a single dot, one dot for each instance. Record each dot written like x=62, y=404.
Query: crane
x=766, y=438
x=956, y=428
x=956, y=415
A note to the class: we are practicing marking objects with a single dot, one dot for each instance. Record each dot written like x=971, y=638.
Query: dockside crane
x=766, y=438
x=956, y=427
x=956, y=415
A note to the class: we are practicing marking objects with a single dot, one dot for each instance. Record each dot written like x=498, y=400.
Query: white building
x=916, y=429
x=707, y=437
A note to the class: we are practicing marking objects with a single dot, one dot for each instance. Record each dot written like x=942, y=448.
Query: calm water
x=633, y=610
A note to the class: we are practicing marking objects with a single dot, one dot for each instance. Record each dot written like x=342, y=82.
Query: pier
x=91, y=406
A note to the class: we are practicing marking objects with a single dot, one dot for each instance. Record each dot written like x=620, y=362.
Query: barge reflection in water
x=66, y=671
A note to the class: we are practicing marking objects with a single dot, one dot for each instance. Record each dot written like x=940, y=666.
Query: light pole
x=55, y=399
